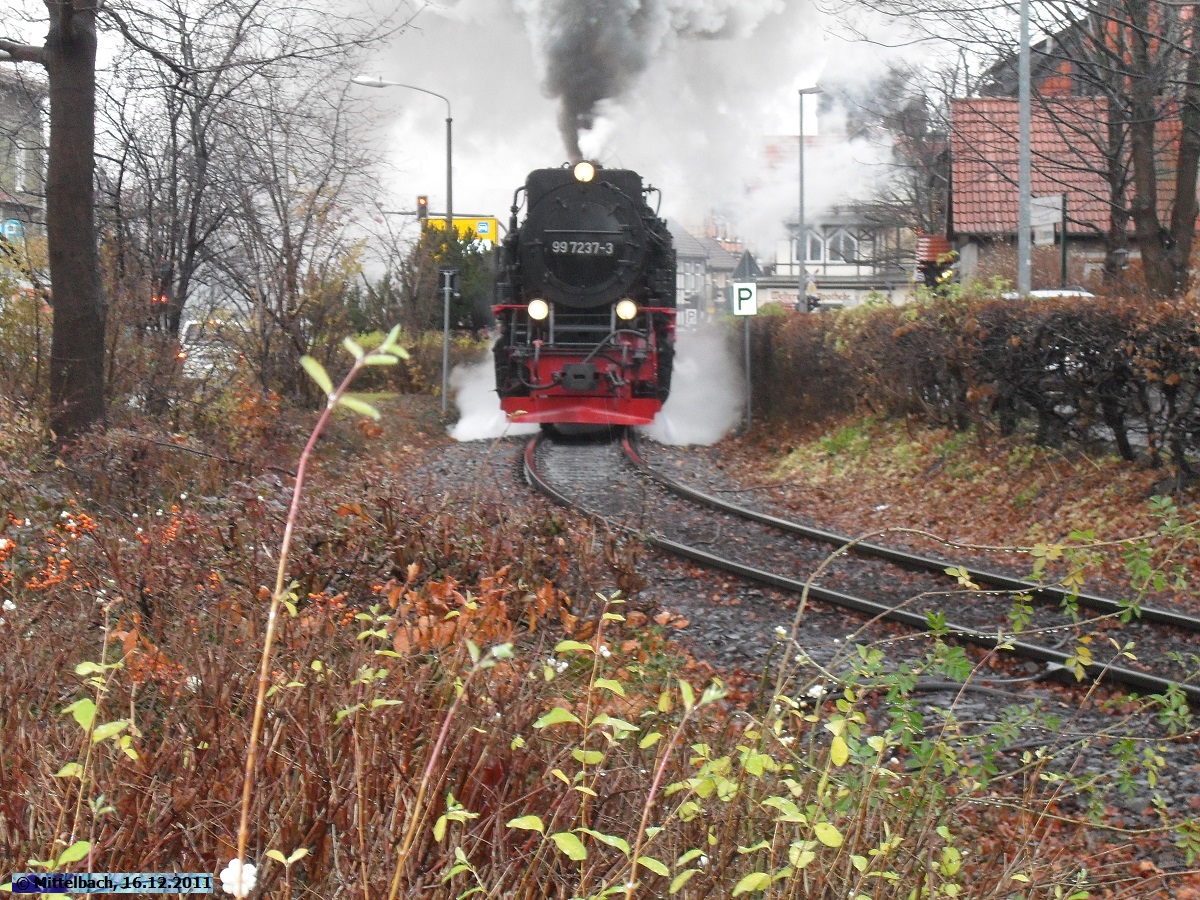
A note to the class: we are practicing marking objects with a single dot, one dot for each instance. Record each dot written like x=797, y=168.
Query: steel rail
x=916, y=561
x=1106, y=673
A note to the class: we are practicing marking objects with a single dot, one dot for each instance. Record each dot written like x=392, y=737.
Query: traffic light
x=422, y=207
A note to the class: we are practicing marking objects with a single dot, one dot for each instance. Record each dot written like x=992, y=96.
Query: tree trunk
x=1183, y=217
x=77, y=342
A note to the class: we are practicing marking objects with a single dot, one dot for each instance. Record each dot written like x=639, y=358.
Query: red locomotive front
x=587, y=302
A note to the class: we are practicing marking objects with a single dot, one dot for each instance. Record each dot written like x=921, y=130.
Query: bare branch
x=13, y=51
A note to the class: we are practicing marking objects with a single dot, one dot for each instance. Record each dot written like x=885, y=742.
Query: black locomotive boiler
x=585, y=301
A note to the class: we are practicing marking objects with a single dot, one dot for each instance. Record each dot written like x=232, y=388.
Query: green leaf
x=564, y=646
x=556, y=716
x=827, y=834
x=528, y=823
x=617, y=725
x=70, y=770
x=353, y=347
x=609, y=685
x=570, y=845
x=649, y=862
x=587, y=757
x=360, y=406
x=714, y=692
x=681, y=879
x=89, y=668
x=389, y=342
x=109, y=729
x=84, y=711
x=317, y=373
x=649, y=740
x=380, y=359
x=277, y=856
x=74, y=853
x=610, y=840
x=688, y=695
x=839, y=751
x=755, y=881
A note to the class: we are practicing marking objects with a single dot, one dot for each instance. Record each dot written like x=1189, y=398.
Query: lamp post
x=368, y=81
x=1024, y=161
x=802, y=236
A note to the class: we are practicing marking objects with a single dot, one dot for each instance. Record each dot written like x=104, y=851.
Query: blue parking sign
x=13, y=229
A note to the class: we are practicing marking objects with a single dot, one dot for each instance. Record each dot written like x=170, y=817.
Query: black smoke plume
x=596, y=51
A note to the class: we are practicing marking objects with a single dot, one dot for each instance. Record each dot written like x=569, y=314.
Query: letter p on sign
x=745, y=298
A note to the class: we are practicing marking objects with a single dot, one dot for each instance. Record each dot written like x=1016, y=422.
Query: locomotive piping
x=609, y=337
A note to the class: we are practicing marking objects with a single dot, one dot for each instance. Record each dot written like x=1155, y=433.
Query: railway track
x=613, y=482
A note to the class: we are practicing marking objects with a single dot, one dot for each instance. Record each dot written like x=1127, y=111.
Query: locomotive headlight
x=584, y=171
x=538, y=309
x=626, y=309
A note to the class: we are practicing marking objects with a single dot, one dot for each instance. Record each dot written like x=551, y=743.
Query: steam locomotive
x=585, y=301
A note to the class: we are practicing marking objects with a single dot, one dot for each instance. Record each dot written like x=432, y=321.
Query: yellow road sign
x=483, y=228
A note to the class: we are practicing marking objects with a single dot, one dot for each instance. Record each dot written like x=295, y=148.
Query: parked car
x=209, y=345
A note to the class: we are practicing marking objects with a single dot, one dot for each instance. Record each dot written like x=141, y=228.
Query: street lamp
x=1024, y=161
x=802, y=240
x=368, y=81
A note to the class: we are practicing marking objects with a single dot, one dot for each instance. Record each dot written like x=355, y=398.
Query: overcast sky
x=702, y=87
x=692, y=122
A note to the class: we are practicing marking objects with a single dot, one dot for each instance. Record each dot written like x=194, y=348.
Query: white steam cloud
x=480, y=415
x=706, y=391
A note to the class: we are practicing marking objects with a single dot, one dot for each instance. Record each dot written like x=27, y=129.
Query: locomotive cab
x=586, y=301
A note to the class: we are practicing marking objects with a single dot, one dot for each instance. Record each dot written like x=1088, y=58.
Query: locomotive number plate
x=583, y=248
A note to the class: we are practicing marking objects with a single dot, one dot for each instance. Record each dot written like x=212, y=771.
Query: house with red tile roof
x=1069, y=144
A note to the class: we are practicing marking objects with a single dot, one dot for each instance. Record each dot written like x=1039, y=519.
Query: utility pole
x=1024, y=162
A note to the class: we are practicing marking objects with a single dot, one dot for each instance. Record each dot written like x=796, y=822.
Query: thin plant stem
x=277, y=596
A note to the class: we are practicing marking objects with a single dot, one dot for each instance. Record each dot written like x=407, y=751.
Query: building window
x=842, y=247
x=816, y=248
x=9, y=169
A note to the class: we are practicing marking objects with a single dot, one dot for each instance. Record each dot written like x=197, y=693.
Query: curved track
x=880, y=582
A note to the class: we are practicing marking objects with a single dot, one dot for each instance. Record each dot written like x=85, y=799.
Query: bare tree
x=207, y=60
x=909, y=108
x=287, y=253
